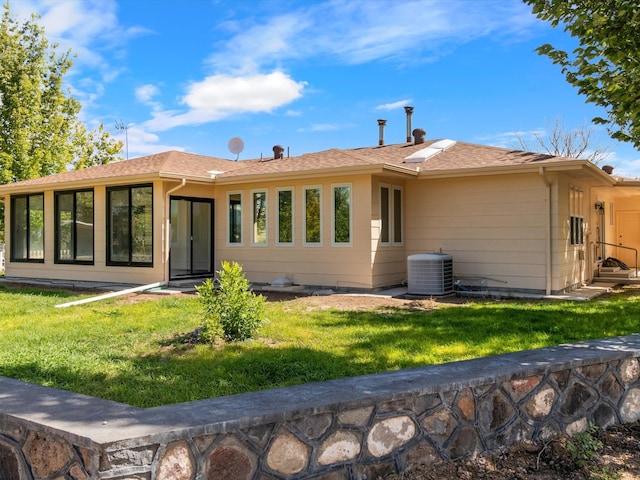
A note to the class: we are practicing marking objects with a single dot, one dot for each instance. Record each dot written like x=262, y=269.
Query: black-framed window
x=130, y=225
x=341, y=215
x=235, y=218
x=74, y=227
x=285, y=216
x=312, y=216
x=576, y=216
x=27, y=228
x=391, y=213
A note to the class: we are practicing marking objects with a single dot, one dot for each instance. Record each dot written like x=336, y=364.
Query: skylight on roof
x=430, y=151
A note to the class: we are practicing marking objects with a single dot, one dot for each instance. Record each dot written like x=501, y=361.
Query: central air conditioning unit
x=430, y=274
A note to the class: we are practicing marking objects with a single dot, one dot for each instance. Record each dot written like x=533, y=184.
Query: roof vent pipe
x=278, y=152
x=409, y=111
x=381, y=124
x=419, y=135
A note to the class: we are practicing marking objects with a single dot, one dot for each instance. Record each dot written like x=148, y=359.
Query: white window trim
x=333, y=215
x=304, y=216
x=293, y=216
x=266, y=213
x=228, y=227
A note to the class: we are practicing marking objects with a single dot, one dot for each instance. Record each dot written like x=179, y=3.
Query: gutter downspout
x=165, y=229
x=548, y=262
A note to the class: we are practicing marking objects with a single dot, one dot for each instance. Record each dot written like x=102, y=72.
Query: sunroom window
x=130, y=225
x=74, y=227
x=27, y=228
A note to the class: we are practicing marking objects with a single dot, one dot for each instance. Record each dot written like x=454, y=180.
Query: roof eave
x=14, y=189
x=190, y=178
x=566, y=166
x=317, y=172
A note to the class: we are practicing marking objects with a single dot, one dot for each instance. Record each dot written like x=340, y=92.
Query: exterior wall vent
x=430, y=274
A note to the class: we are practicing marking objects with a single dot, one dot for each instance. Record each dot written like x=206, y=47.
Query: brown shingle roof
x=173, y=163
x=167, y=163
x=460, y=156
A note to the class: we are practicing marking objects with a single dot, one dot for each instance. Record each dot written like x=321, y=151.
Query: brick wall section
x=346, y=429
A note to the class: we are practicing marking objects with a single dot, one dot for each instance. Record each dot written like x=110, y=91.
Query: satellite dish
x=236, y=145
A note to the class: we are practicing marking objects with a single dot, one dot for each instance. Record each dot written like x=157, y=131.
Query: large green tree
x=605, y=67
x=40, y=132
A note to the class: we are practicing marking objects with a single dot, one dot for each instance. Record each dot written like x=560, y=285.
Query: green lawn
x=136, y=353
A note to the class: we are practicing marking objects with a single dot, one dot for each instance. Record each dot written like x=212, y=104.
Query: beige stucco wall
x=493, y=226
x=327, y=265
x=388, y=260
x=572, y=263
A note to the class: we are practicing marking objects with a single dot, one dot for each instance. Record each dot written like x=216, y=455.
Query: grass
x=136, y=353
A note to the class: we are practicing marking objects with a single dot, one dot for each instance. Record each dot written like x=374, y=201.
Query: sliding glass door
x=191, y=251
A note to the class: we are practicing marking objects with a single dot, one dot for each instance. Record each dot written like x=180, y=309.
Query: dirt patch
x=617, y=457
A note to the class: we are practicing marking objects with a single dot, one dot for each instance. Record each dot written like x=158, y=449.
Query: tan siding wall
x=325, y=265
x=389, y=260
x=571, y=265
x=493, y=227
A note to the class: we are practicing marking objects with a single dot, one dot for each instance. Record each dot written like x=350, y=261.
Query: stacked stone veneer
x=354, y=428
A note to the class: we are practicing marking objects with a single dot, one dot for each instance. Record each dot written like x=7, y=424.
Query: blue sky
x=311, y=75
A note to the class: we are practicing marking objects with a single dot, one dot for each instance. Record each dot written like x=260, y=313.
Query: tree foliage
x=606, y=65
x=40, y=133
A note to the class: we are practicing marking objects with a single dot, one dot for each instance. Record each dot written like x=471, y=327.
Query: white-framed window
x=576, y=216
x=312, y=216
x=285, y=216
x=341, y=215
x=391, y=215
x=234, y=218
x=259, y=217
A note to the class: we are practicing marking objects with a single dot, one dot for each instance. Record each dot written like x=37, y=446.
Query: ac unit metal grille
x=430, y=274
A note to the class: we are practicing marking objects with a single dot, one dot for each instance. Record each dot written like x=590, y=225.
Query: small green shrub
x=232, y=311
x=584, y=446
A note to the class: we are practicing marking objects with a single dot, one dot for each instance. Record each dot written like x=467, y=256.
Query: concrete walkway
x=584, y=293
x=581, y=294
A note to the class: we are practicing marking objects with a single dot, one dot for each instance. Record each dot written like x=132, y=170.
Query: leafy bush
x=232, y=311
x=584, y=446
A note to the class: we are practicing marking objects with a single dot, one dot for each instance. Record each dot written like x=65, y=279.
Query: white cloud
x=84, y=27
x=325, y=127
x=220, y=96
x=145, y=93
x=143, y=143
x=624, y=167
x=394, y=105
x=349, y=32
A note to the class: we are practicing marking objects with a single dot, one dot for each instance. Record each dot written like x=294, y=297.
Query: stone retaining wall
x=347, y=429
